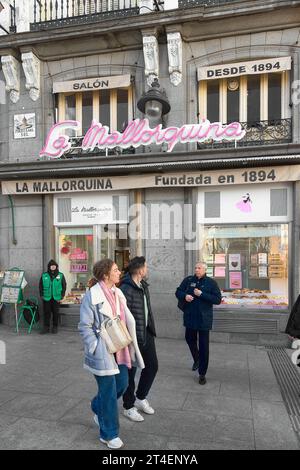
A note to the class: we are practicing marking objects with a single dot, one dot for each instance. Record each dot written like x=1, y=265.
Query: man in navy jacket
x=197, y=295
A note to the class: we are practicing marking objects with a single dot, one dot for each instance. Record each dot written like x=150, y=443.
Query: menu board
x=13, y=278
x=13, y=283
x=10, y=295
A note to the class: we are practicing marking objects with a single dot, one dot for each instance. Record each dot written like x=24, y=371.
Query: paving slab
x=34, y=434
x=45, y=399
x=272, y=427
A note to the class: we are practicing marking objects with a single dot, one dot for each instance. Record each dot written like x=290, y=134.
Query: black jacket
x=135, y=302
x=293, y=324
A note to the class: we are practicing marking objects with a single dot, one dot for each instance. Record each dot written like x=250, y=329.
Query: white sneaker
x=115, y=443
x=96, y=420
x=143, y=405
x=133, y=414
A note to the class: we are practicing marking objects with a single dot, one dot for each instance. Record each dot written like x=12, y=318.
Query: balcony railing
x=203, y=3
x=49, y=14
x=277, y=131
x=76, y=150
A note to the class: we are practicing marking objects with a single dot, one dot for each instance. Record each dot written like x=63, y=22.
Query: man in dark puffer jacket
x=136, y=291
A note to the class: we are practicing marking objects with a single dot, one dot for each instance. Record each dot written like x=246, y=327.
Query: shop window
x=76, y=261
x=80, y=247
x=250, y=265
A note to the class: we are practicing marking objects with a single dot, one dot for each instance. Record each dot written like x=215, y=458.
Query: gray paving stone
x=47, y=385
x=183, y=424
x=187, y=384
x=79, y=389
x=38, y=406
x=190, y=445
x=7, y=396
x=6, y=420
x=167, y=398
x=50, y=398
x=235, y=388
x=272, y=427
x=233, y=429
x=238, y=407
x=37, y=434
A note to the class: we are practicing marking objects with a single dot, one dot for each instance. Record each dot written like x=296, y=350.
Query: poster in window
x=262, y=271
x=209, y=259
x=210, y=271
x=234, y=262
x=220, y=271
x=220, y=258
x=24, y=126
x=253, y=272
x=262, y=258
x=254, y=259
x=235, y=280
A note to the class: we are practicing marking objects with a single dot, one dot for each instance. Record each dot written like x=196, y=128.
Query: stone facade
x=181, y=42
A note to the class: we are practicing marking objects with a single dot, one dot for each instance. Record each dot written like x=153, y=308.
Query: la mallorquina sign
x=138, y=133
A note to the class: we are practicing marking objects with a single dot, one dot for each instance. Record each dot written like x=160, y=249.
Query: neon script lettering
x=139, y=133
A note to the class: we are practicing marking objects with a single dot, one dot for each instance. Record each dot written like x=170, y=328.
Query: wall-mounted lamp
x=154, y=103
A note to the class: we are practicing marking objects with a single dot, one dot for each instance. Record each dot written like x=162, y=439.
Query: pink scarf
x=123, y=356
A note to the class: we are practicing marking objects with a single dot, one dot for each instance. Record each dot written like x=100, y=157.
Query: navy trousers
x=200, y=351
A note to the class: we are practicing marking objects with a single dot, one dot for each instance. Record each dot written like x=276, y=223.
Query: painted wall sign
x=138, y=133
x=96, y=83
x=187, y=179
x=254, y=67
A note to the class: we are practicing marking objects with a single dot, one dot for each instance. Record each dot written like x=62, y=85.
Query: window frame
x=96, y=106
x=243, y=111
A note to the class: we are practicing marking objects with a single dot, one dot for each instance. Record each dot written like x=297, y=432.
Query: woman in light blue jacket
x=104, y=300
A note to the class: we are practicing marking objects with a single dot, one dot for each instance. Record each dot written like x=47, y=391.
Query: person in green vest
x=52, y=290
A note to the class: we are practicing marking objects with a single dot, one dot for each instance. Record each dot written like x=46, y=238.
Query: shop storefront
x=250, y=258
x=88, y=228
x=246, y=235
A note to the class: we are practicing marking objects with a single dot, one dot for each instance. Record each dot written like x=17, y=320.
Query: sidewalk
x=45, y=395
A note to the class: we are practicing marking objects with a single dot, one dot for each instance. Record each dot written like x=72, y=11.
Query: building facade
x=233, y=204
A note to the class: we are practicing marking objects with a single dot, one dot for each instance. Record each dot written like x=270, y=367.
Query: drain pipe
x=14, y=240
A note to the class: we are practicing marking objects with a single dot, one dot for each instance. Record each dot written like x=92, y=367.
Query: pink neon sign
x=138, y=133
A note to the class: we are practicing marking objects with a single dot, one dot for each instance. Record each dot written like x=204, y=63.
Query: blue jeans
x=105, y=403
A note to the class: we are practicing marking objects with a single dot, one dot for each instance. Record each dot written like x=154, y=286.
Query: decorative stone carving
x=32, y=70
x=11, y=71
x=150, y=46
x=175, y=57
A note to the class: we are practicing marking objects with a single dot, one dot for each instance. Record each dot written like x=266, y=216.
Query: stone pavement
x=45, y=395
